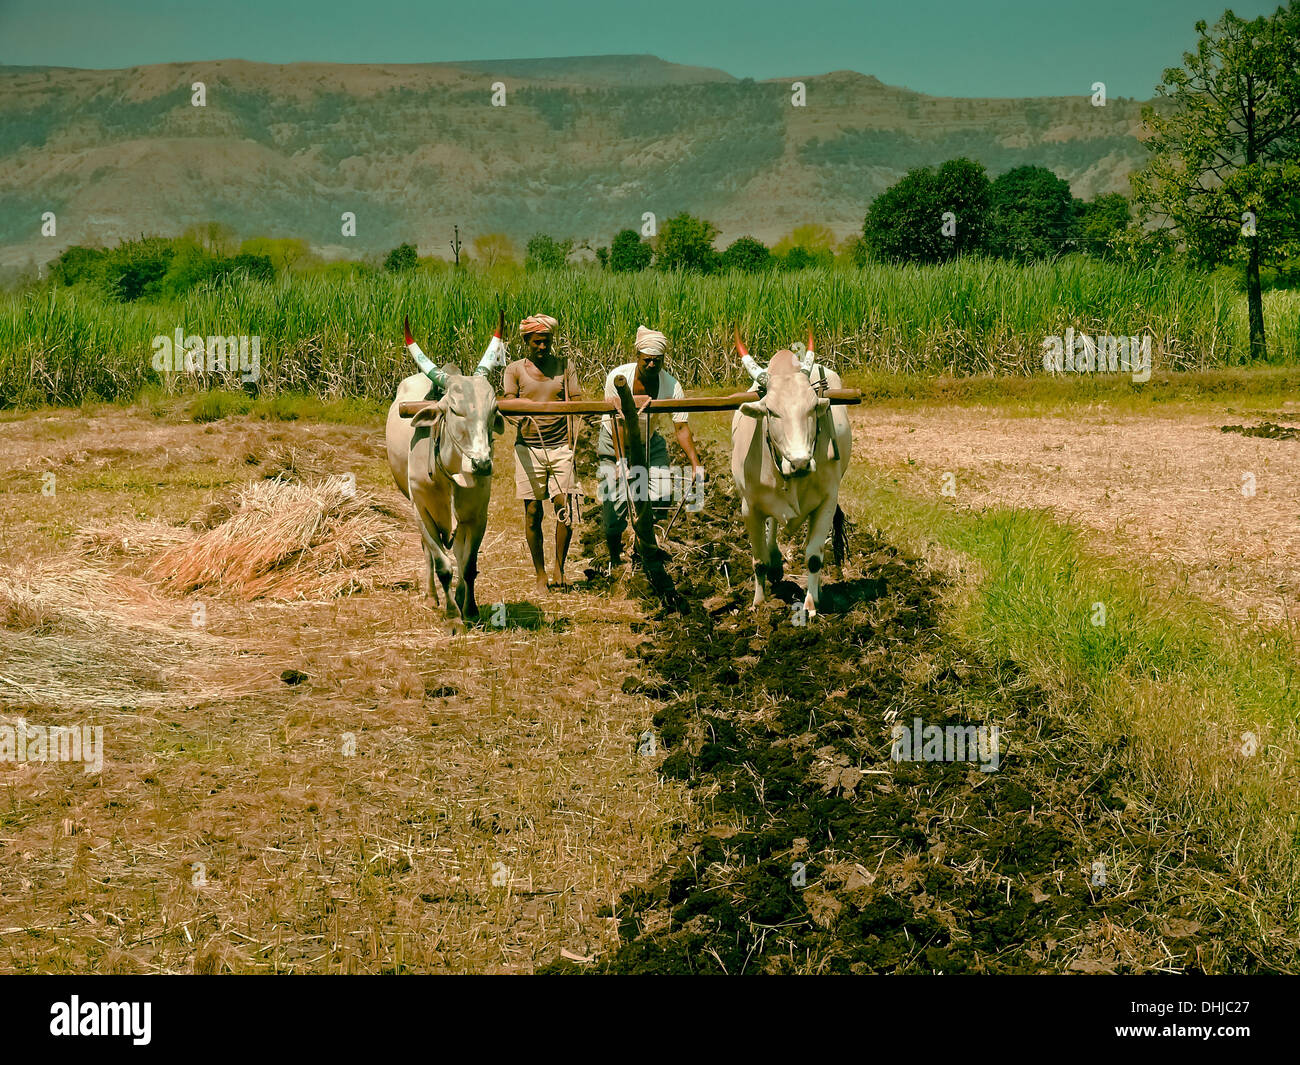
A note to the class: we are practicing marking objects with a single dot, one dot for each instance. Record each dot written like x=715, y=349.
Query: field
x=304, y=771
x=341, y=337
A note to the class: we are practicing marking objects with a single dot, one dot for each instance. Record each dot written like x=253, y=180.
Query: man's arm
x=510, y=383
x=687, y=443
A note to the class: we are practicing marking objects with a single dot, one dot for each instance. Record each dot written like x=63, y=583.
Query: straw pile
x=81, y=638
x=282, y=541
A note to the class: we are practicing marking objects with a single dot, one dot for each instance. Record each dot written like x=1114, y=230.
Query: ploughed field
x=304, y=771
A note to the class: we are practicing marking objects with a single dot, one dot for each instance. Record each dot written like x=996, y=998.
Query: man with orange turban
x=544, y=464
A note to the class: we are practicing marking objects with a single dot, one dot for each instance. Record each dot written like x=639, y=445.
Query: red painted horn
x=406, y=328
x=501, y=323
x=810, y=341
x=740, y=344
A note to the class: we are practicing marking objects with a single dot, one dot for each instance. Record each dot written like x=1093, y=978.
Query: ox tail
x=839, y=538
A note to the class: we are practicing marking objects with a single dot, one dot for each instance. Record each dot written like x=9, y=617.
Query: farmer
x=648, y=380
x=544, y=467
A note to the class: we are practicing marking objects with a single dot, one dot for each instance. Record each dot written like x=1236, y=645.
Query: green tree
x=1033, y=215
x=77, y=264
x=546, y=253
x=402, y=258
x=215, y=238
x=748, y=254
x=813, y=238
x=628, y=252
x=254, y=267
x=1225, y=151
x=1102, y=223
x=798, y=258
x=494, y=249
x=929, y=215
x=284, y=252
x=135, y=269
x=686, y=243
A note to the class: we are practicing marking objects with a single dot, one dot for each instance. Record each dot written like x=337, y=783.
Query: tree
x=628, y=252
x=402, y=258
x=686, y=243
x=602, y=257
x=853, y=251
x=813, y=238
x=215, y=238
x=748, y=255
x=136, y=268
x=1225, y=155
x=1033, y=214
x=798, y=258
x=547, y=253
x=77, y=264
x=929, y=215
x=1102, y=222
x=494, y=249
x=284, y=252
x=254, y=267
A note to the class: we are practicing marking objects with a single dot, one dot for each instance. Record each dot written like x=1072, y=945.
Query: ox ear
x=498, y=423
x=754, y=409
x=422, y=419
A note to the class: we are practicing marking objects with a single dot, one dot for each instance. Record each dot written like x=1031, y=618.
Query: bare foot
x=559, y=583
x=543, y=586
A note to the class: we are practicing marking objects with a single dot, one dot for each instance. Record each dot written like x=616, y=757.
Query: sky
x=941, y=47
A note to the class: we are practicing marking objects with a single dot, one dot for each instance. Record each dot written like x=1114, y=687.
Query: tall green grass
x=342, y=336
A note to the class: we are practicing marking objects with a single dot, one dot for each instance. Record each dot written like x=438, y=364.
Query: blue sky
x=943, y=47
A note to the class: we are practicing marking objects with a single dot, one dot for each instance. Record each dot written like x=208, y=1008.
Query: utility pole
x=455, y=244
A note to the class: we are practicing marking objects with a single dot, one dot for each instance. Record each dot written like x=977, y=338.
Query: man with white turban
x=544, y=465
x=618, y=470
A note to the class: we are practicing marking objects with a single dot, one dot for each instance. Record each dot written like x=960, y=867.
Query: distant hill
x=582, y=148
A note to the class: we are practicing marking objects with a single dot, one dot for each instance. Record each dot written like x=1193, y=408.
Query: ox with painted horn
x=789, y=450
x=441, y=459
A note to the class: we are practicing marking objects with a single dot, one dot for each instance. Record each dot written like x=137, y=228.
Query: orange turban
x=537, y=323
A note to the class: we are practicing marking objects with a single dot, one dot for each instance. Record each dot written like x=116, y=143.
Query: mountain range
x=578, y=147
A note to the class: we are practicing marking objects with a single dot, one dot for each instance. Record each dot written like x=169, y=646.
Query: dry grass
x=1162, y=488
x=283, y=541
x=493, y=802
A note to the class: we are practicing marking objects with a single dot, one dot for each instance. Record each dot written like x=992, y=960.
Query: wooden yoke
x=519, y=408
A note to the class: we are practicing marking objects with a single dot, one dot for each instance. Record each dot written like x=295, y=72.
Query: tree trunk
x=1255, y=304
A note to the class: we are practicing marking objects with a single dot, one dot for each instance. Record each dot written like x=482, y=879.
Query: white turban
x=650, y=341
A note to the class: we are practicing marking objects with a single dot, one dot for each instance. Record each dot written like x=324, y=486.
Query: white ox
x=788, y=452
x=442, y=461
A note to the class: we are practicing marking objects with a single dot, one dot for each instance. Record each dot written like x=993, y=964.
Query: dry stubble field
x=494, y=806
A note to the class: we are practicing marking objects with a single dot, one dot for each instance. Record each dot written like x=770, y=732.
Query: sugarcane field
x=623, y=515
